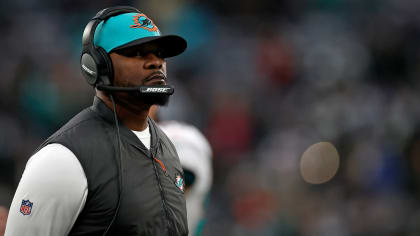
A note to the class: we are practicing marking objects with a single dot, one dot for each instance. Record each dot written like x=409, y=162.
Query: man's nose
x=153, y=61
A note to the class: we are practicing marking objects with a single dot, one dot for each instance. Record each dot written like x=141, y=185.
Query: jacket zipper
x=162, y=193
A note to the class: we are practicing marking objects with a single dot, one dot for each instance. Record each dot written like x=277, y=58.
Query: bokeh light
x=319, y=163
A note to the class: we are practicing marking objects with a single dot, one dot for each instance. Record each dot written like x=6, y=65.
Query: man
x=110, y=170
x=195, y=155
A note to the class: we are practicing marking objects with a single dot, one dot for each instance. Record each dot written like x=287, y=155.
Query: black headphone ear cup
x=89, y=68
x=108, y=70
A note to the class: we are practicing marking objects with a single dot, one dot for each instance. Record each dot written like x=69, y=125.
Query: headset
x=95, y=62
x=96, y=66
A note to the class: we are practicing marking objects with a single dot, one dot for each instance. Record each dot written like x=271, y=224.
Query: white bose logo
x=88, y=70
x=158, y=90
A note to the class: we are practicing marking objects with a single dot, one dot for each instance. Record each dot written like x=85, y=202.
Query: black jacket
x=152, y=200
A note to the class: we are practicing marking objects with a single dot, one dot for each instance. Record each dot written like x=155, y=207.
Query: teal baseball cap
x=129, y=30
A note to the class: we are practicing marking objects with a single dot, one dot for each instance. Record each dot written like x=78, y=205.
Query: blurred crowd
x=263, y=80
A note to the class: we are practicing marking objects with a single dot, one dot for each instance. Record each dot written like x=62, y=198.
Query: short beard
x=154, y=99
x=137, y=102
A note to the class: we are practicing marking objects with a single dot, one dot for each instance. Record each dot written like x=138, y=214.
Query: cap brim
x=171, y=45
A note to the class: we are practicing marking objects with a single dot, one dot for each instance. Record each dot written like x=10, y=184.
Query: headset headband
x=89, y=32
x=95, y=63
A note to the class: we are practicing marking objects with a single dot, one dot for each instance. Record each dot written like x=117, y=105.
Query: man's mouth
x=155, y=79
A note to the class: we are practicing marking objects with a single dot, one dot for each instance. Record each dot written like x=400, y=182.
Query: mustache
x=154, y=75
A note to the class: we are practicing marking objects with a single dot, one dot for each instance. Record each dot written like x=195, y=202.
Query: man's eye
x=132, y=53
x=138, y=54
x=127, y=53
x=159, y=53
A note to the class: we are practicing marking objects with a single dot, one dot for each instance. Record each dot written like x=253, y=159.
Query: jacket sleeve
x=50, y=195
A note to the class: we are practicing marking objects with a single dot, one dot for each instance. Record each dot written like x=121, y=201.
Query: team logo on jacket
x=179, y=182
x=26, y=207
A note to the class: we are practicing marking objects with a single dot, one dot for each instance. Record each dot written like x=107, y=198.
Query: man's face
x=140, y=66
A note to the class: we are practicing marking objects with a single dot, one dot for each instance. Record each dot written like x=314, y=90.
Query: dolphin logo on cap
x=144, y=22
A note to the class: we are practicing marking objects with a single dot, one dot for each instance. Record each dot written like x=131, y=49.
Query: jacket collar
x=126, y=134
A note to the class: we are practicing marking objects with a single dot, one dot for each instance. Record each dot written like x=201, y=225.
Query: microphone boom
x=155, y=89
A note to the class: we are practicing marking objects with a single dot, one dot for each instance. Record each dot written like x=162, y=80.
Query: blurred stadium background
x=264, y=80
